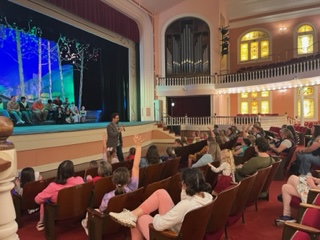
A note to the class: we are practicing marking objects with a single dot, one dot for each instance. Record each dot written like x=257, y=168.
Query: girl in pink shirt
x=64, y=179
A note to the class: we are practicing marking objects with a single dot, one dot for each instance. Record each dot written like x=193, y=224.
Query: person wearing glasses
x=115, y=135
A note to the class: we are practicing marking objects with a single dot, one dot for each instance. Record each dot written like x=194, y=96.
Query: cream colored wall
x=45, y=151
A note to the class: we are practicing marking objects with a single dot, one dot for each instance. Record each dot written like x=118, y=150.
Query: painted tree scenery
x=78, y=54
x=31, y=65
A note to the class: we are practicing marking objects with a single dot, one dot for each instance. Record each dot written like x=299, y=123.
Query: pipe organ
x=187, y=47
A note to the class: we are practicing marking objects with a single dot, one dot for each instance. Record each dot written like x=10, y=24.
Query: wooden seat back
x=257, y=186
x=241, y=199
x=221, y=211
x=151, y=188
x=102, y=225
x=271, y=175
x=190, y=229
x=183, y=152
x=211, y=176
x=93, y=172
x=72, y=202
x=80, y=173
x=101, y=187
x=248, y=153
x=152, y=174
x=174, y=189
x=170, y=168
x=127, y=164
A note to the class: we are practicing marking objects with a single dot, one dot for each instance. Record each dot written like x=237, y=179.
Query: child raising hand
x=227, y=168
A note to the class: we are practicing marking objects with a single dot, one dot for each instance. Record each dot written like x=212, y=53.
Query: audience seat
x=248, y=153
x=220, y=213
x=152, y=174
x=191, y=228
x=270, y=177
x=101, y=187
x=72, y=203
x=128, y=164
x=175, y=188
x=101, y=225
x=26, y=201
x=152, y=187
x=282, y=170
x=170, y=168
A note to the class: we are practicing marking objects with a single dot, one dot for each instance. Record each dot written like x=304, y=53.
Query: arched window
x=254, y=45
x=305, y=39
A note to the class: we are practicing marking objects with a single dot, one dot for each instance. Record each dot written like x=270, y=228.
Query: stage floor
x=55, y=128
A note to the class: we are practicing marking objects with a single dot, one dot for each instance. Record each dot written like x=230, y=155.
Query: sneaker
x=84, y=225
x=279, y=197
x=31, y=211
x=21, y=121
x=282, y=219
x=125, y=218
x=40, y=226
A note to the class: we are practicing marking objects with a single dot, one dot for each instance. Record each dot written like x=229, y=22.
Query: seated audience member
x=66, y=104
x=283, y=146
x=253, y=164
x=68, y=116
x=51, y=108
x=231, y=133
x=93, y=164
x=309, y=156
x=256, y=130
x=25, y=110
x=26, y=175
x=104, y=169
x=223, y=137
x=213, y=154
x=178, y=143
x=64, y=179
x=3, y=112
x=170, y=154
x=14, y=109
x=57, y=102
x=194, y=194
x=132, y=152
x=60, y=118
x=240, y=149
x=75, y=113
x=196, y=136
x=111, y=155
x=83, y=114
x=184, y=141
x=152, y=157
x=216, y=129
x=297, y=186
x=294, y=134
x=122, y=180
x=39, y=110
x=227, y=168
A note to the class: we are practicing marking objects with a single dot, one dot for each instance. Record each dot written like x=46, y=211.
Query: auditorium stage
x=45, y=146
x=55, y=128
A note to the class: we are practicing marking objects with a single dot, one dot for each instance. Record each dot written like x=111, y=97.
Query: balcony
x=280, y=76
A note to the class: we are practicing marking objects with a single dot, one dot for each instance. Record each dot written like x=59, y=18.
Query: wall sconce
x=282, y=29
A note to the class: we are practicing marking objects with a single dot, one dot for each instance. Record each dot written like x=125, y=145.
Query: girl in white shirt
x=194, y=194
x=227, y=168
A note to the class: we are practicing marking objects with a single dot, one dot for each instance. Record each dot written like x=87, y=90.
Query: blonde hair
x=227, y=156
x=214, y=149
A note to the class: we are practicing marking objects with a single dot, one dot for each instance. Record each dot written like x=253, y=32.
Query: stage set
x=43, y=147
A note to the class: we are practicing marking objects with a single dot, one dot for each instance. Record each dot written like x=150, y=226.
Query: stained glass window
x=305, y=39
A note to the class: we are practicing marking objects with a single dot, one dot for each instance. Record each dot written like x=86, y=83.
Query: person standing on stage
x=114, y=135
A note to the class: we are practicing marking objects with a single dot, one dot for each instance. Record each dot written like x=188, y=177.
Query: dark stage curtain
x=101, y=14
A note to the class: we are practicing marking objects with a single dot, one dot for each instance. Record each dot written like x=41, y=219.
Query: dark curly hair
x=153, y=155
x=262, y=144
x=194, y=179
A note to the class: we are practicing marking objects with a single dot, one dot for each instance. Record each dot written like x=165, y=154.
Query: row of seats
x=147, y=175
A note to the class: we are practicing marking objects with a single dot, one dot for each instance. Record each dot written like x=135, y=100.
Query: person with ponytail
x=122, y=181
x=195, y=193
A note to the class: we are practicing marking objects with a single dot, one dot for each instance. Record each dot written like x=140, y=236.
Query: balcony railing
x=204, y=122
x=291, y=69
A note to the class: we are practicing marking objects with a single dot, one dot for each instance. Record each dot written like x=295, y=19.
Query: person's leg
x=288, y=191
x=44, y=115
x=120, y=153
x=26, y=115
x=16, y=116
x=38, y=114
x=160, y=200
x=307, y=161
x=5, y=113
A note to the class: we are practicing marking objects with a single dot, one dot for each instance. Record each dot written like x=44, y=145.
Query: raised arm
x=104, y=146
x=136, y=161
